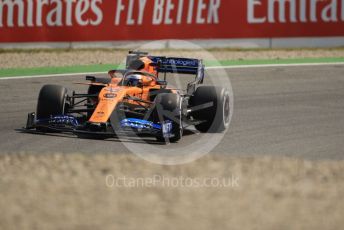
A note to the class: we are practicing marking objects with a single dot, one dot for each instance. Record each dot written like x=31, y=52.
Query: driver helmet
x=133, y=80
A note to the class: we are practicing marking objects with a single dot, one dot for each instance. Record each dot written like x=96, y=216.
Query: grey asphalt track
x=279, y=111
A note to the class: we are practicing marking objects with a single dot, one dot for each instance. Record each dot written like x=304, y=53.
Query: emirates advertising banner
x=110, y=20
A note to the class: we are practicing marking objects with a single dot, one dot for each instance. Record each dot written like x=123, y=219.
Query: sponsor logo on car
x=110, y=95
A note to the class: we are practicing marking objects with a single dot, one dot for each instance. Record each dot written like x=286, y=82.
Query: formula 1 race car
x=136, y=100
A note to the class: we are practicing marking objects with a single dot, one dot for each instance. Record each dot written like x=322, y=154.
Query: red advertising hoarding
x=109, y=20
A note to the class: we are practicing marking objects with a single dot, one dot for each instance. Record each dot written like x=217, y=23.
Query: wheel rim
x=226, y=110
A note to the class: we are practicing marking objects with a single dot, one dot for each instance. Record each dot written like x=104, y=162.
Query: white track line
x=212, y=67
x=276, y=65
x=51, y=75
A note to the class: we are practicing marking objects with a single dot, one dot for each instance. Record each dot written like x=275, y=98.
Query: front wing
x=70, y=124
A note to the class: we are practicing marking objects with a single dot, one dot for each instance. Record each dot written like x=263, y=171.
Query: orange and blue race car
x=136, y=100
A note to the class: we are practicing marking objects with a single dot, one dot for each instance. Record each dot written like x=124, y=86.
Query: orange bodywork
x=112, y=94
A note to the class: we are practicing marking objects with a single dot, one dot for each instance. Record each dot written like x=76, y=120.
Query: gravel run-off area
x=59, y=191
x=45, y=58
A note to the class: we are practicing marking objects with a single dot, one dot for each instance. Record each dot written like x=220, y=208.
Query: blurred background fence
x=208, y=23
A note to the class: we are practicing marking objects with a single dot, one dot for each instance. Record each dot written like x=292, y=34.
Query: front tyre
x=51, y=101
x=212, y=106
x=168, y=109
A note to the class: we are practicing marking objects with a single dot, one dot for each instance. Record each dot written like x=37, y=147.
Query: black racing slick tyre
x=212, y=106
x=168, y=108
x=51, y=101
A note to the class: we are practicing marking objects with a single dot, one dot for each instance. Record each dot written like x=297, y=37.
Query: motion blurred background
x=213, y=23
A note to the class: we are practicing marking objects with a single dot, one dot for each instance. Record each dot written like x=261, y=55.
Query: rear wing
x=177, y=65
x=173, y=65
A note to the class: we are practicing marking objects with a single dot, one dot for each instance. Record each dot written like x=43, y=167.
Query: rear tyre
x=216, y=111
x=168, y=108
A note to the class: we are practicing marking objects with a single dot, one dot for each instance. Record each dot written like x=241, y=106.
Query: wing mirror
x=161, y=82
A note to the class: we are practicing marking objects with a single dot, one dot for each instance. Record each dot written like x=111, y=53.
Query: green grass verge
x=276, y=61
x=105, y=67
x=55, y=70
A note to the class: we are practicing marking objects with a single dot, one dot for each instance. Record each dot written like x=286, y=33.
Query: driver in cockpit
x=135, y=68
x=144, y=65
x=135, y=80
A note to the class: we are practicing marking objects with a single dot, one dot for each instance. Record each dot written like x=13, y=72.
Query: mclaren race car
x=136, y=100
